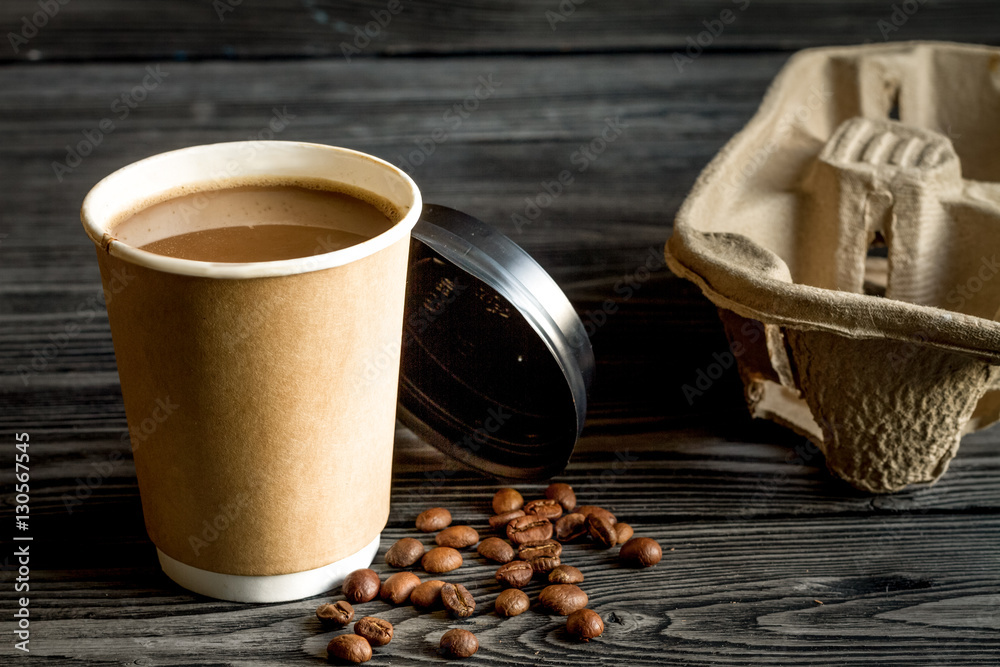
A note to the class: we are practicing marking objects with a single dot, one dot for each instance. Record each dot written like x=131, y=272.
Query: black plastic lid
x=496, y=363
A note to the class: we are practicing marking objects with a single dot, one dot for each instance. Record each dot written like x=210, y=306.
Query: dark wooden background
x=756, y=533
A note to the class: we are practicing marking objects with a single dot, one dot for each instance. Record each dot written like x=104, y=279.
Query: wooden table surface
x=768, y=559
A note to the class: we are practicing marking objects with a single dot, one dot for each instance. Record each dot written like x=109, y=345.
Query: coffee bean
x=563, y=494
x=544, y=564
x=512, y=602
x=459, y=643
x=515, y=574
x=349, y=648
x=571, y=527
x=565, y=574
x=640, y=552
x=585, y=624
x=624, y=532
x=335, y=615
x=457, y=537
x=361, y=585
x=587, y=510
x=497, y=550
x=427, y=594
x=548, y=548
x=499, y=521
x=547, y=507
x=441, y=559
x=507, y=500
x=404, y=553
x=529, y=528
x=436, y=518
x=602, y=531
x=377, y=631
x=563, y=599
x=397, y=588
x=457, y=600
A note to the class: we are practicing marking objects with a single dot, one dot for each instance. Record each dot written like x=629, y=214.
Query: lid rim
x=578, y=367
x=503, y=267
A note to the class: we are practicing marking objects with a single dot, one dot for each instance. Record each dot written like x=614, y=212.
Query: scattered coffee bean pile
x=535, y=532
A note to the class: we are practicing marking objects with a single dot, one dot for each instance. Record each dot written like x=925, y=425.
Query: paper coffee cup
x=260, y=397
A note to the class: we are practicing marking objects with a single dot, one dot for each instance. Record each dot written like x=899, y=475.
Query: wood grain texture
x=681, y=475
x=502, y=154
x=192, y=29
x=753, y=537
x=730, y=590
x=773, y=561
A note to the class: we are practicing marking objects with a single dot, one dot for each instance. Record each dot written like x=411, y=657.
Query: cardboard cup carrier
x=849, y=236
x=262, y=440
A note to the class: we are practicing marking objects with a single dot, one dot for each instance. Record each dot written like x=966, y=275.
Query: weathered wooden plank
x=760, y=532
x=84, y=487
x=532, y=126
x=109, y=29
x=524, y=134
x=599, y=232
x=905, y=590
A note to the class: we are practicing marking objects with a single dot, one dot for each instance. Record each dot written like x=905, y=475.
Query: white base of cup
x=271, y=588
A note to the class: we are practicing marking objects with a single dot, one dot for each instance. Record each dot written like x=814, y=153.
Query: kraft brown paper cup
x=262, y=439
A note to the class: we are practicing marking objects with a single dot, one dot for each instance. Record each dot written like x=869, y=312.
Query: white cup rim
x=103, y=205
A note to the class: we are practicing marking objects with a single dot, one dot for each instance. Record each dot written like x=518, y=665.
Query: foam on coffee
x=254, y=221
